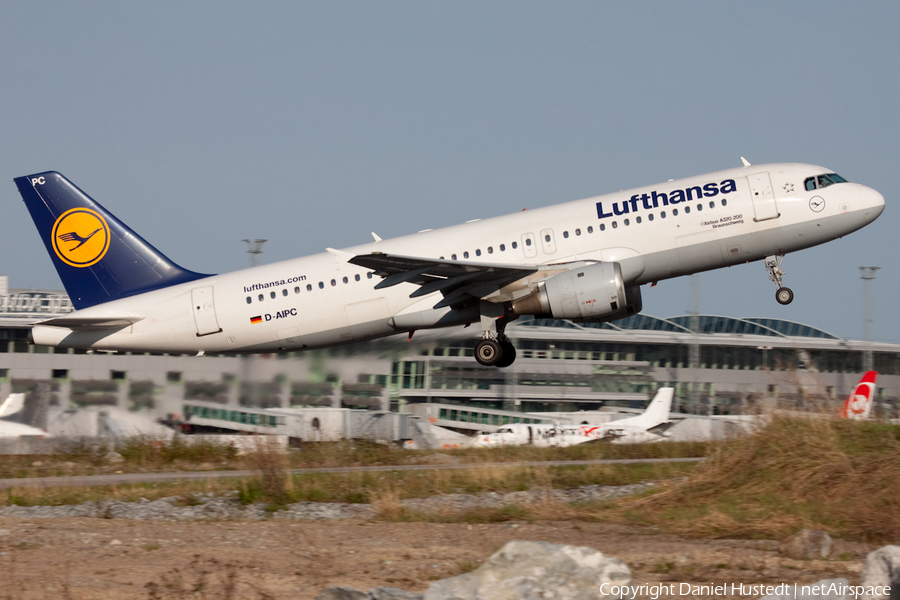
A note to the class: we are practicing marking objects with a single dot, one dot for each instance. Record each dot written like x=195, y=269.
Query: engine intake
x=593, y=293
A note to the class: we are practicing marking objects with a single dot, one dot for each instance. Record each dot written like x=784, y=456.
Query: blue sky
x=311, y=124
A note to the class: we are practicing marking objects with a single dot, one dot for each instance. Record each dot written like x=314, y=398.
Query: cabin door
x=204, y=309
x=763, y=196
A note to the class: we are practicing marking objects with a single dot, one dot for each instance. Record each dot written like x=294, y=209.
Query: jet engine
x=592, y=293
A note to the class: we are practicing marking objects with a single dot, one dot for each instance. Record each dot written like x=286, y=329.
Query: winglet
x=375, y=235
x=340, y=254
x=745, y=161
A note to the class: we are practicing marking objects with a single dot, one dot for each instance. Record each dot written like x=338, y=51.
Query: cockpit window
x=823, y=181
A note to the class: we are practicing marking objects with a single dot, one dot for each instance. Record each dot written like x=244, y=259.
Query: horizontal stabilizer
x=91, y=322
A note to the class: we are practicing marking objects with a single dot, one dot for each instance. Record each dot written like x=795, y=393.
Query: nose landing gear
x=783, y=295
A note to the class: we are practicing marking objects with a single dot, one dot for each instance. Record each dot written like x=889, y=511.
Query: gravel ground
x=218, y=548
x=228, y=507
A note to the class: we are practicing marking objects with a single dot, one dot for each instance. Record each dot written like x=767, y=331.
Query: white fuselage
x=563, y=436
x=322, y=300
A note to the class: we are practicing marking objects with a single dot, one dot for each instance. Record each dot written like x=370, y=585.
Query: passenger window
x=490, y=249
x=452, y=257
x=345, y=280
x=369, y=274
x=466, y=254
x=515, y=245
x=615, y=225
x=546, y=238
x=712, y=204
x=249, y=300
x=724, y=202
x=687, y=210
x=627, y=222
x=308, y=287
x=284, y=292
x=662, y=215
x=297, y=290
x=333, y=283
x=502, y=247
x=577, y=232
x=528, y=241
x=590, y=230
x=637, y=219
x=321, y=285
x=477, y=252
x=699, y=207
x=261, y=297
x=602, y=227
x=272, y=295
x=565, y=235
x=674, y=212
x=650, y=217
x=356, y=277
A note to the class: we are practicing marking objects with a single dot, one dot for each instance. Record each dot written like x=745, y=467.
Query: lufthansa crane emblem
x=80, y=237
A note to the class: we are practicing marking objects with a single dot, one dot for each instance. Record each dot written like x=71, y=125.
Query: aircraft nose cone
x=873, y=202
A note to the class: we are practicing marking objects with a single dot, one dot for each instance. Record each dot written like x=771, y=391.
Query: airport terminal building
x=717, y=364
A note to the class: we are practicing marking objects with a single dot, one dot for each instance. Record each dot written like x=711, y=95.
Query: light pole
x=254, y=249
x=868, y=277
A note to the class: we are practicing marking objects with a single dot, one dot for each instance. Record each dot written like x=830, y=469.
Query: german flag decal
x=254, y=320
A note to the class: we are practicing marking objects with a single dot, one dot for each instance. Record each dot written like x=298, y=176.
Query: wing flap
x=460, y=282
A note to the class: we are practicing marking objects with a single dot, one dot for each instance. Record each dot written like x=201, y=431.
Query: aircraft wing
x=460, y=282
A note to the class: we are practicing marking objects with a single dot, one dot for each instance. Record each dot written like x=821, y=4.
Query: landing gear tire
x=509, y=354
x=784, y=295
x=488, y=352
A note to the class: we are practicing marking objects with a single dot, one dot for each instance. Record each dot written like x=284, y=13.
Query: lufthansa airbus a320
x=584, y=260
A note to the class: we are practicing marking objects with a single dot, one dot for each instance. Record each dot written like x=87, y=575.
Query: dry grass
x=794, y=472
x=143, y=454
x=271, y=484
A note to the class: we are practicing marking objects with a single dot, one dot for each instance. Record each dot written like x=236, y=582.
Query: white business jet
x=649, y=426
x=584, y=260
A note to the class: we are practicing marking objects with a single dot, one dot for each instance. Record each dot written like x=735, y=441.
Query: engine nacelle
x=593, y=293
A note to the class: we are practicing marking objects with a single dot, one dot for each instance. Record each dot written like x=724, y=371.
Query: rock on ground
x=808, y=544
x=883, y=568
x=525, y=570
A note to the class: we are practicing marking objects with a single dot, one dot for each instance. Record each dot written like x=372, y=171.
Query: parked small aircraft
x=649, y=426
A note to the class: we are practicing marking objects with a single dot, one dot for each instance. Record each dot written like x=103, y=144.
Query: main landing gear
x=494, y=349
x=773, y=264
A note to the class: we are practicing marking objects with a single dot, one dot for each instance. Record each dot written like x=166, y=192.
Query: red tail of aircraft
x=859, y=404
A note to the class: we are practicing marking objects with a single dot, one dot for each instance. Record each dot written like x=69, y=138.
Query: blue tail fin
x=98, y=257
